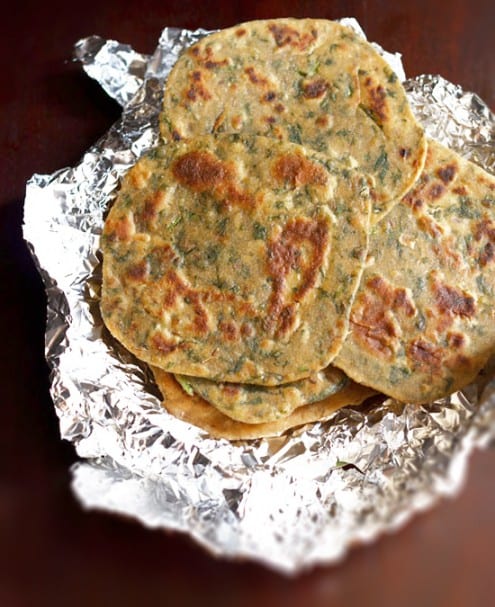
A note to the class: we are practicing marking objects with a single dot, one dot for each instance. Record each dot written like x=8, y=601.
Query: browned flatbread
x=194, y=410
x=234, y=258
x=423, y=321
x=309, y=81
x=255, y=404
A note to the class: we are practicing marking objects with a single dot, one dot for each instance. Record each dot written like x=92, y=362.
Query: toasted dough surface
x=423, y=321
x=195, y=410
x=234, y=259
x=256, y=404
x=310, y=81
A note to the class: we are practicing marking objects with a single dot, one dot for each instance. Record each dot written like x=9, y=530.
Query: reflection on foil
x=290, y=501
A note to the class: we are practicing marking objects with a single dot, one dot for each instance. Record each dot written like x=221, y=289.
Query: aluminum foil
x=288, y=502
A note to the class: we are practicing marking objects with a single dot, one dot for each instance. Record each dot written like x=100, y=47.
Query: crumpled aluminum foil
x=288, y=502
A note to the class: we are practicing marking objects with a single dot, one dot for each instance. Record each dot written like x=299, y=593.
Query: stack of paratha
x=295, y=244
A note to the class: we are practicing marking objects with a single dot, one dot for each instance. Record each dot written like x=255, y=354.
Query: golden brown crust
x=298, y=171
x=212, y=268
x=423, y=322
x=309, y=81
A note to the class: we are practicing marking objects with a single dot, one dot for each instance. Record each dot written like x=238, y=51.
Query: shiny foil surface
x=288, y=502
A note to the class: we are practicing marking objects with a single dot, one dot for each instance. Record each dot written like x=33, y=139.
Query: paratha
x=309, y=81
x=235, y=259
x=196, y=411
x=423, y=321
x=256, y=404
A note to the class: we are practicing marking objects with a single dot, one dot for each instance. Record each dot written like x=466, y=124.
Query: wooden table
x=51, y=551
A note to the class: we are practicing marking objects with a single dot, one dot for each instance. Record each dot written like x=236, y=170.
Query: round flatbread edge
x=196, y=411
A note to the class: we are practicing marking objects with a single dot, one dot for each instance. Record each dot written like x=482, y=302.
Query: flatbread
x=423, y=321
x=234, y=259
x=309, y=81
x=256, y=404
x=194, y=410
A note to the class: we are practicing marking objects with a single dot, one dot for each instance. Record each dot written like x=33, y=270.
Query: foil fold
x=289, y=501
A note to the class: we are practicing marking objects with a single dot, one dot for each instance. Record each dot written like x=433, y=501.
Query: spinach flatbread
x=196, y=411
x=423, y=321
x=309, y=81
x=235, y=259
x=255, y=404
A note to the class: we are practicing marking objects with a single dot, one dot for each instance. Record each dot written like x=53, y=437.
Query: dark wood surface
x=51, y=551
